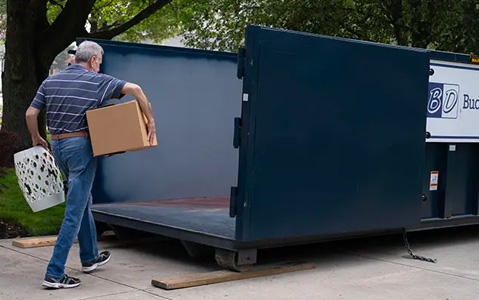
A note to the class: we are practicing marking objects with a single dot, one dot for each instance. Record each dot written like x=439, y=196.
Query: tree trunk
x=18, y=93
x=23, y=71
x=398, y=22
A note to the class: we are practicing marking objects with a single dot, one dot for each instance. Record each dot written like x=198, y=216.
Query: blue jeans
x=75, y=159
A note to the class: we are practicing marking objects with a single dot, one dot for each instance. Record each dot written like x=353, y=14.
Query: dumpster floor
x=202, y=220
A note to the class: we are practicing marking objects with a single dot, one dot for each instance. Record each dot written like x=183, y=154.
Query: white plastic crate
x=39, y=178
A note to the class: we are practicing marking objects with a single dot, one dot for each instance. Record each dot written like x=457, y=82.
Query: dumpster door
x=332, y=136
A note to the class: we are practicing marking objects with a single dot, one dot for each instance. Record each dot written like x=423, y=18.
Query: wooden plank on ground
x=197, y=279
x=34, y=242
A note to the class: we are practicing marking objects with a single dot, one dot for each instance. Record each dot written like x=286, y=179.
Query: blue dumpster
x=298, y=138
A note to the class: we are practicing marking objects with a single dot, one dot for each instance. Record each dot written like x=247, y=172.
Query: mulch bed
x=11, y=231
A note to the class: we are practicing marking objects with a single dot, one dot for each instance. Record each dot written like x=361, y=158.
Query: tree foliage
x=435, y=24
x=106, y=15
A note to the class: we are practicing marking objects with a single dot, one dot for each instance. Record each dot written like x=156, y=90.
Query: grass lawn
x=14, y=208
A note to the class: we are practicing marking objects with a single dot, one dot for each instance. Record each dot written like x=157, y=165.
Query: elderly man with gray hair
x=67, y=96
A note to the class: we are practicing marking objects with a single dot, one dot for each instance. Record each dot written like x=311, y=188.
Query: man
x=67, y=96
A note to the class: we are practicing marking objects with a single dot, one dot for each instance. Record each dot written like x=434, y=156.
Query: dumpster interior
x=185, y=182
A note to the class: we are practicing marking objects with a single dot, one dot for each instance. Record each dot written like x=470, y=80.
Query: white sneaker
x=102, y=259
x=66, y=282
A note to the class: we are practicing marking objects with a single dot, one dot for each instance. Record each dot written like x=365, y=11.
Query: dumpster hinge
x=237, y=133
x=241, y=62
x=233, y=201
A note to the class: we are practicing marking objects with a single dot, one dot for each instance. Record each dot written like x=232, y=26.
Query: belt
x=69, y=135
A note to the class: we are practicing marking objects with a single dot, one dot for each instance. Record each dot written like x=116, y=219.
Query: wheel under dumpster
x=330, y=144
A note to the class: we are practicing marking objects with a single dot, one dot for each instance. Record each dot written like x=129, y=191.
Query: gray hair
x=86, y=50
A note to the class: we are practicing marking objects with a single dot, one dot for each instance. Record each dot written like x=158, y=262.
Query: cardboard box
x=118, y=128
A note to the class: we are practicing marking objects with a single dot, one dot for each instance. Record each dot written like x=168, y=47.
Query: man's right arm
x=31, y=116
x=32, y=123
x=136, y=91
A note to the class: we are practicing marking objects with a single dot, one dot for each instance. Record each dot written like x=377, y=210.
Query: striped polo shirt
x=68, y=94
